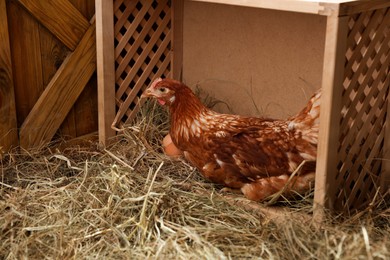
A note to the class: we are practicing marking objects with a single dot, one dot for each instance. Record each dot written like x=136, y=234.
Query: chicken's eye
x=163, y=90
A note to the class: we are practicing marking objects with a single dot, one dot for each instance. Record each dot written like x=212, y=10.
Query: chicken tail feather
x=309, y=116
x=265, y=187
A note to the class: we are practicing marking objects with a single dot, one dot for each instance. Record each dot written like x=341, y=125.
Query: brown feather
x=256, y=155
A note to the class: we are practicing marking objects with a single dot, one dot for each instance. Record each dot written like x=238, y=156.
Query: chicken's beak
x=147, y=93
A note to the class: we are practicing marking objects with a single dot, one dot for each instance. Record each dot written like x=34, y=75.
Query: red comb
x=155, y=82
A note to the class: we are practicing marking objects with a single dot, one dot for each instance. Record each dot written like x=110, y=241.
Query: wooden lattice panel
x=143, y=43
x=365, y=101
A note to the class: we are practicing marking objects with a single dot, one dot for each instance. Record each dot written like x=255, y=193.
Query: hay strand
x=129, y=201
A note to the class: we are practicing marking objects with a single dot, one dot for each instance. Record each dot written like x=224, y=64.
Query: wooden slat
x=144, y=75
x=373, y=143
x=328, y=141
x=177, y=39
x=307, y=6
x=363, y=147
x=61, y=93
x=358, y=27
x=154, y=39
x=143, y=51
x=140, y=37
x=53, y=53
x=361, y=152
x=350, y=124
x=357, y=56
x=61, y=18
x=137, y=88
x=85, y=109
x=359, y=6
x=24, y=33
x=8, y=125
x=82, y=119
x=105, y=68
x=123, y=17
x=130, y=31
x=137, y=43
x=86, y=7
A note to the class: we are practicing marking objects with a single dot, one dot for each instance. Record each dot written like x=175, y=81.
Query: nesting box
x=265, y=51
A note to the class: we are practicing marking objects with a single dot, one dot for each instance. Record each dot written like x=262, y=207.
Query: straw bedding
x=129, y=201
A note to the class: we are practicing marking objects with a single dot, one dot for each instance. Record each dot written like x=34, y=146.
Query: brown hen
x=254, y=155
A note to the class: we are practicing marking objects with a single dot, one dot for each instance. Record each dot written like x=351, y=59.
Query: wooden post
x=177, y=39
x=332, y=87
x=105, y=68
x=8, y=125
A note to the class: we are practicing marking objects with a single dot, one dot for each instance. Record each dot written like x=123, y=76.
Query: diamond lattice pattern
x=142, y=51
x=365, y=100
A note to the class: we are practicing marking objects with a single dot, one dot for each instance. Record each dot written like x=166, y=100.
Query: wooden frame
x=342, y=85
x=335, y=46
x=105, y=68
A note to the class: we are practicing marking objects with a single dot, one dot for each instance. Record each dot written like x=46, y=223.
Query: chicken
x=255, y=156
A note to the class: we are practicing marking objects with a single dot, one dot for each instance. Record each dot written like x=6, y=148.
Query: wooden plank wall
x=39, y=44
x=7, y=100
x=85, y=107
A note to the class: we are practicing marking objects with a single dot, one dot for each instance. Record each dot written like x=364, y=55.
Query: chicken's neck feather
x=185, y=112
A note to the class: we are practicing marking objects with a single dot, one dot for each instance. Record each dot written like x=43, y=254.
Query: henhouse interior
x=84, y=169
x=268, y=61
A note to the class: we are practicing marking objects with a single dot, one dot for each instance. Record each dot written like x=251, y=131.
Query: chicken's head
x=163, y=90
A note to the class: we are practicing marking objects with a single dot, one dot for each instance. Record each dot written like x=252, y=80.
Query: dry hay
x=131, y=202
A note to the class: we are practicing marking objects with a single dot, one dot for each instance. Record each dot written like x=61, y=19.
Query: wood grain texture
x=85, y=7
x=354, y=7
x=26, y=59
x=68, y=25
x=105, y=68
x=86, y=109
x=82, y=119
x=328, y=140
x=61, y=93
x=53, y=54
x=8, y=125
